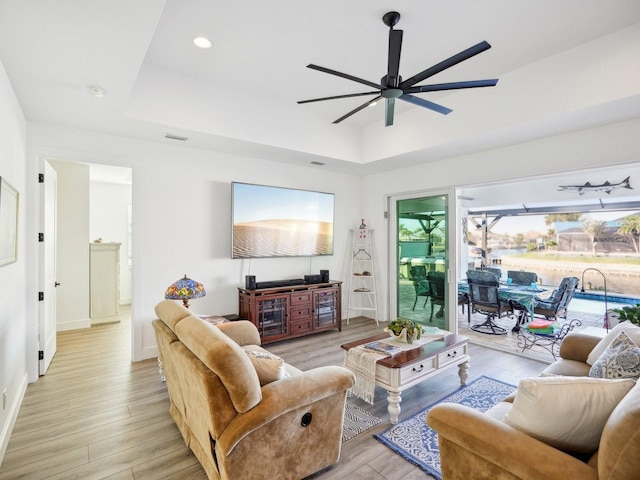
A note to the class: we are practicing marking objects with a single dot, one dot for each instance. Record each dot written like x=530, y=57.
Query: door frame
x=453, y=240
x=33, y=363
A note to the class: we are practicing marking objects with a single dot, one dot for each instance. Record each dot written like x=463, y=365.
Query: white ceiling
x=240, y=96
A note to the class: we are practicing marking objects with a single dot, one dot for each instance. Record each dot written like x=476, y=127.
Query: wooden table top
x=405, y=357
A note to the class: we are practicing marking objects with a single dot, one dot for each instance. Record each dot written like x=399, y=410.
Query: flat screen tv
x=280, y=222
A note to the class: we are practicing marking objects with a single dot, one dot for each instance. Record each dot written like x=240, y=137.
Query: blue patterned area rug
x=416, y=442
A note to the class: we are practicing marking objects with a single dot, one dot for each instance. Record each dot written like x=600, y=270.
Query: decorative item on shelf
x=363, y=229
x=185, y=289
x=404, y=330
x=98, y=240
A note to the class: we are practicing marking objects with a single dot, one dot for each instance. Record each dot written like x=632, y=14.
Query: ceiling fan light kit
x=392, y=85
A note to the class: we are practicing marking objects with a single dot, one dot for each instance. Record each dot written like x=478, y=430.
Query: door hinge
x=41, y=296
x=40, y=237
x=41, y=178
x=40, y=355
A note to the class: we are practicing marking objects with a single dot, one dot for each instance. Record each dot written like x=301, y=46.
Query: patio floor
x=590, y=313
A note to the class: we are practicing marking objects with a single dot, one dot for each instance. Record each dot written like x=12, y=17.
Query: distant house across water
x=572, y=237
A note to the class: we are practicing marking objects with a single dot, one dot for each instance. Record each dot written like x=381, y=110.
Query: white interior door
x=48, y=282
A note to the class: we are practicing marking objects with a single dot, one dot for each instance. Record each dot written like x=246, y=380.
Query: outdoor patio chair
x=420, y=284
x=436, y=287
x=520, y=277
x=484, y=298
x=495, y=271
x=556, y=305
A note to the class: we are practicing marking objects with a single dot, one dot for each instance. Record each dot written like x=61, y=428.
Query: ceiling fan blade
x=356, y=110
x=449, y=62
x=388, y=111
x=377, y=92
x=344, y=75
x=426, y=104
x=452, y=86
x=393, y=63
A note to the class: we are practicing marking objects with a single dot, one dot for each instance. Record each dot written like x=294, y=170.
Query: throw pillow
x=567, y=413
x=268, y=367
x=621, y=359
x=633, y=332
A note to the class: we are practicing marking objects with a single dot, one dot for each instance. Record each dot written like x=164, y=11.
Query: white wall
x=72, y=261
x=14, y=322
x=182, y=217
x=108, y=220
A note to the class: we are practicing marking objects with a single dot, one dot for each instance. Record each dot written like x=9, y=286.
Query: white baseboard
x=14, y=409
x=73, y=325
x=149, y=352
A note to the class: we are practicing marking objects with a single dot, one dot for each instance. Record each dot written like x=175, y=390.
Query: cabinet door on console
x=271, y=316
x=326, y=308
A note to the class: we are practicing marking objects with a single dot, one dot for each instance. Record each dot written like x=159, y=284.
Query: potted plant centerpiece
x=404, y=330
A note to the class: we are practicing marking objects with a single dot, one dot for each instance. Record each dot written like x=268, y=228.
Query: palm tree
x=631, y=228
x=562, y=217
x=403, y=232
x=595, y=229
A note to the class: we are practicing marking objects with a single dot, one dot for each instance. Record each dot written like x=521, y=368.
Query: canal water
x=621, y=280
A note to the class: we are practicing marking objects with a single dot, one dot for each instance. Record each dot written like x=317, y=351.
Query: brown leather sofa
x=476, y=445
x=236, y=427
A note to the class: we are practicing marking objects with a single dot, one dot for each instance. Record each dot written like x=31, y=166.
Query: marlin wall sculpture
x=603, y=187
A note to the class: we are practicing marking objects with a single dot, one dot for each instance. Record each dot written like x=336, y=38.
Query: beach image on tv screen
x=281, y=222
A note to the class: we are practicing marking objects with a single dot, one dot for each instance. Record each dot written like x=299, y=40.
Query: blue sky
x=261, y=202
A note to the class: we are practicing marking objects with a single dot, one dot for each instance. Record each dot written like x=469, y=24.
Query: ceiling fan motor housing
x=391, y=18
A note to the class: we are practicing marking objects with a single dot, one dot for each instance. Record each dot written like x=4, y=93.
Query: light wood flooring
x=96, y=415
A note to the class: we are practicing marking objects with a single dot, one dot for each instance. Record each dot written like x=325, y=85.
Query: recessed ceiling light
x=202, y=42
x=96, y=91
x=373, y=104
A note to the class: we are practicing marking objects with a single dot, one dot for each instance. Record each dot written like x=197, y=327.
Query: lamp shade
x=185, y=289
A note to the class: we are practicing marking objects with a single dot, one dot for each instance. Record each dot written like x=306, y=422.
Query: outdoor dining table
x=521, y=294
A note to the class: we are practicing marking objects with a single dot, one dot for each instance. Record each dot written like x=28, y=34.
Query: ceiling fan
x=392, y=85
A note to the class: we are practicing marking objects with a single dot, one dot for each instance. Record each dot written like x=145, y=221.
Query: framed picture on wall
x=8, y=223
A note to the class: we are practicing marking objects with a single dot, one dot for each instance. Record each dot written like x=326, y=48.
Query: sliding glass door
x=422, y=260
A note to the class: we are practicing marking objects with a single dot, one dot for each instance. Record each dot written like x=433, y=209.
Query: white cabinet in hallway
x=105, y=282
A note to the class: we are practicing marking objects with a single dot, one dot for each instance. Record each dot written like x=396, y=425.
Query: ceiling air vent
x=317, y=163
x=170, y=136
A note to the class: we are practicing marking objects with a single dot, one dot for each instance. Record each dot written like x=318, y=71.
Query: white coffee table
x=408, y=368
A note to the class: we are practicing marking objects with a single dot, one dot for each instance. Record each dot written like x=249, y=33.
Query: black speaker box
x=313, y=279
x=250, y=282
x=325, y=276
